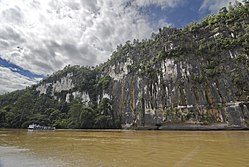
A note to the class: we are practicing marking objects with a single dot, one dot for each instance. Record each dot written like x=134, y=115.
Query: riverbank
x=169, y=126
x=192, y=127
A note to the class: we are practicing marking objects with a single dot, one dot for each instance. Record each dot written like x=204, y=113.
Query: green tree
x=3, y=113
x=74, y=112
x=87, y=116
x=223, y=10
x=23, y=109
x=103, y=122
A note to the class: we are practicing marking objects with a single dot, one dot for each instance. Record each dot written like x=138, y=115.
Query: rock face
x=181, y=91
x=195, y=75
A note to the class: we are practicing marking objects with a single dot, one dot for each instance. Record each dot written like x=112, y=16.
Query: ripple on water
x=11, y=156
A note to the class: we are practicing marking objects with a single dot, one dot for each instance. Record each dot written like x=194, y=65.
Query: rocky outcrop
x=176, y=94
x=195, y=75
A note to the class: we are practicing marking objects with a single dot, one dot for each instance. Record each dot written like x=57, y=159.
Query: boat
x=39, y=127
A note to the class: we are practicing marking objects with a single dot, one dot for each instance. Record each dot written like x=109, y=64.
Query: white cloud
x=11, y=80
x=214, y=5
x=45, y=35
x=162, y=3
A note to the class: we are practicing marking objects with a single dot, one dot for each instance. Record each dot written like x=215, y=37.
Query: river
x=107, y=148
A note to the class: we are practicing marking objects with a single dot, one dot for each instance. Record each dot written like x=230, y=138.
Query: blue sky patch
x=178, y=16
x=17, y=69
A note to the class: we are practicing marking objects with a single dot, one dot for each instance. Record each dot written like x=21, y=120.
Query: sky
x=39, y=37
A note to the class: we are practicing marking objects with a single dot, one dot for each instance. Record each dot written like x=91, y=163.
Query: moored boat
x=39, y=127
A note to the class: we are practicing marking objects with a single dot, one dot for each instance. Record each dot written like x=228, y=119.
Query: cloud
x=11, y=80
x=161, y=3
x=13, y=13
x=44, y=36
x=90, y=5
x=214, y=5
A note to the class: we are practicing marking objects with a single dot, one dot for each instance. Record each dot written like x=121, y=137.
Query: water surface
x=66, y=148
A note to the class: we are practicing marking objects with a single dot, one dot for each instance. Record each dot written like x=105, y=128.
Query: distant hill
x=197, y=75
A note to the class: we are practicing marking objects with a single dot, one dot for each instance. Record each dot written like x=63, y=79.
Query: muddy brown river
x=77, y=148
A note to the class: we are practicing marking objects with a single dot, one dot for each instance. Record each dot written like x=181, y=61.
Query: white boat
x=39, y=127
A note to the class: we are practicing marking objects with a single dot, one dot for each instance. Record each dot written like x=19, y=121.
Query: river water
x=75, y=148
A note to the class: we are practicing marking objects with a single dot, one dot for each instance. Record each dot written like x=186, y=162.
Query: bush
x=103, y=122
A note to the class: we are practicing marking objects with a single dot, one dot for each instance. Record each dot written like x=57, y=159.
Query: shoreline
x=193, y=127
x=164, y=127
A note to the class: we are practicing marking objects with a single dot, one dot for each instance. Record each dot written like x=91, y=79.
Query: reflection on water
x=123, y=148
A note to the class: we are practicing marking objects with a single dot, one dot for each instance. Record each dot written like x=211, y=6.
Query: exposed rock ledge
x=192, y=127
